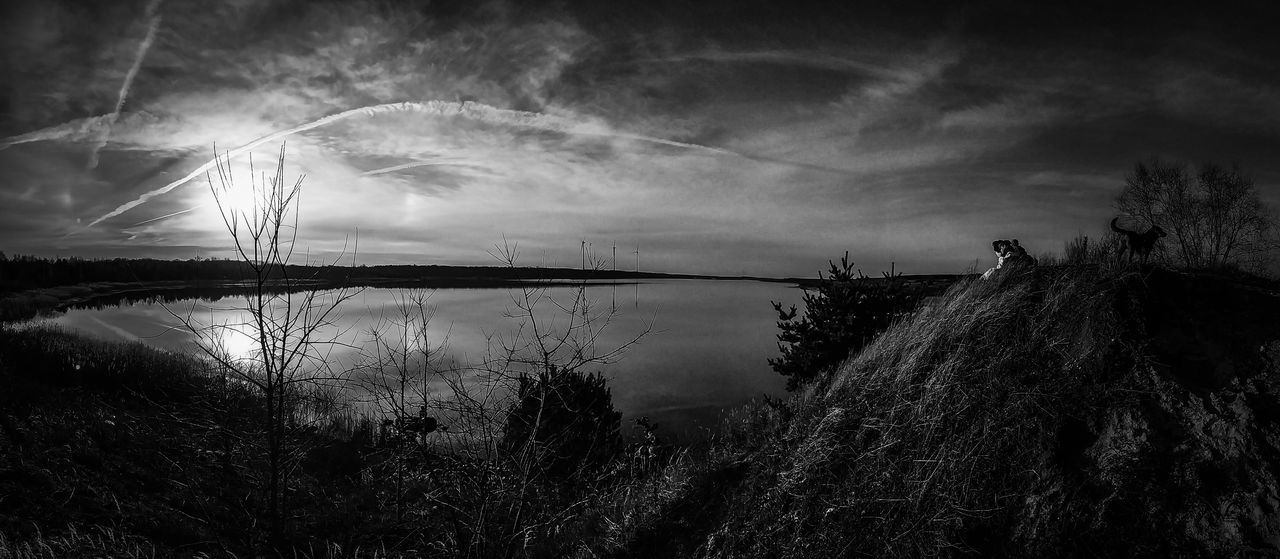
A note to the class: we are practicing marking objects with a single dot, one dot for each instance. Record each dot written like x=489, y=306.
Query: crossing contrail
x=471, y=110
x=153, y=8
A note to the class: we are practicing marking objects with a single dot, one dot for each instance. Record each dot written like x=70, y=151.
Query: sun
x=238, y=199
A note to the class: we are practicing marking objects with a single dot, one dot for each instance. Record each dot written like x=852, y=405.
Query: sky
x=744, y=137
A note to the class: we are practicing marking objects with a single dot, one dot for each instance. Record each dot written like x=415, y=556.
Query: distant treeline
x=29, y=272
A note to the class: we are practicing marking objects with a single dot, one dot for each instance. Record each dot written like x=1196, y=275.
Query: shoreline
x=16, y=306
x=20, y=305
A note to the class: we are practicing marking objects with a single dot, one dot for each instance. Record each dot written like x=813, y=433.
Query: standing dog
x=1139, y=244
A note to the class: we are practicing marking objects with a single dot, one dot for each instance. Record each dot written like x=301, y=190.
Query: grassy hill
x=1050, y=412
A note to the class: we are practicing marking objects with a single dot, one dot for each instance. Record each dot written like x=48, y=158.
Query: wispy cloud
x=436, y=135
x=811, y=59
x=1003, y=114
x=473, y=111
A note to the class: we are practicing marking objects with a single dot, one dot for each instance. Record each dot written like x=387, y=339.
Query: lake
x=706, y=348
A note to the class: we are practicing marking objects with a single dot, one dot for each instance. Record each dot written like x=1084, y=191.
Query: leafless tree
x=1214, y=216
x=492, y=486
x=397, y=366
x=289, y=321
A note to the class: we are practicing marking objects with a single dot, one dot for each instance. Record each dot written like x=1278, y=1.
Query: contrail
x=470, y=110
x=653, y=140
x=125, y=334
x=414, y=164
x=79, y=128
x=404, y=166
x=153, y=8
x=551, y=123
x=167, y=216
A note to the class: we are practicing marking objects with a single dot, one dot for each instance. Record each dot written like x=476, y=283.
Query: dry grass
x=916, y=433
x=96, y=542
x=924, y=443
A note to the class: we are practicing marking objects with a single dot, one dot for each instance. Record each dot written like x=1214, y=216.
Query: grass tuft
x=98, y=541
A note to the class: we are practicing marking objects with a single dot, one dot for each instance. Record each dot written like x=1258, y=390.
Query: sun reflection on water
x=235, y=343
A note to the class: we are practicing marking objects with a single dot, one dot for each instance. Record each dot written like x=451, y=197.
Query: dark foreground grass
x=121, y=450
x=144, y=452
x=97, y=542
x=112, y=435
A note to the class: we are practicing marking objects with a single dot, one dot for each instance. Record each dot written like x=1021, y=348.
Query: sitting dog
x=1139, y=244
x=1009, y=253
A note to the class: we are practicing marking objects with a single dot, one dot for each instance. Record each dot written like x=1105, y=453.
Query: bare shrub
x=291, y=326
x=1214, y=215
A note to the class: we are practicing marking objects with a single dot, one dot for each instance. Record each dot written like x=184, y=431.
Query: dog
x=1139, y=244
x=1020, y=254
x=1009, y=253
x=1003, y=250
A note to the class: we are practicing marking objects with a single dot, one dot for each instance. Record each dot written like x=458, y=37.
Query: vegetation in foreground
x=1075, y=410
x=123, y=450
x=1088, y=408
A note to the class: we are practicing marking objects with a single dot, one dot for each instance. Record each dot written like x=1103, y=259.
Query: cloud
x=1220, y=98
x=472, y=111
x=1004, y=114
x=720, y=141
x=811, y=59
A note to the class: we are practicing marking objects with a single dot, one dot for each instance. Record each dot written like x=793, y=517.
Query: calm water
x=707, y=349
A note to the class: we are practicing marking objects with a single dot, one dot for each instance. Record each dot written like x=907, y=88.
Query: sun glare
x=238, y=198
x=237, y=345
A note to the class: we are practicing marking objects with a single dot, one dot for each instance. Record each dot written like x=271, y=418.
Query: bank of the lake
x=700, y=346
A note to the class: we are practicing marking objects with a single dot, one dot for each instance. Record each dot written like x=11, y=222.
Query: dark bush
x=845, y=312
x=566, y=421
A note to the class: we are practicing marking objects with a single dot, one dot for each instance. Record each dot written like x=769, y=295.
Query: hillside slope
x=1055, y=412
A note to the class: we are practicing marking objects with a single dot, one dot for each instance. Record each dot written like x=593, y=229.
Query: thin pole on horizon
x=583, y=251
x=613, y=264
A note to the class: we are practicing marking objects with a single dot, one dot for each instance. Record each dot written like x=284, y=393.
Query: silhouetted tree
x=845, y=312
x=1214, y=216
x=287, y=368
x=397, y=366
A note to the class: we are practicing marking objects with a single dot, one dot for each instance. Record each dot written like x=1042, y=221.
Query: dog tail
x=1116, y=228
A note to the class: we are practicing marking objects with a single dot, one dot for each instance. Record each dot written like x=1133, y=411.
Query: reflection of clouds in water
x=708, y=350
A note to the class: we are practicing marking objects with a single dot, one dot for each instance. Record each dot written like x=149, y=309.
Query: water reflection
x=707, y=350
x=234, y=342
